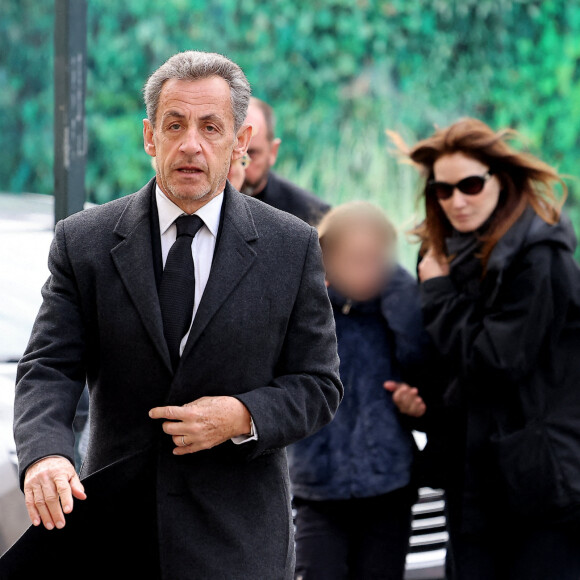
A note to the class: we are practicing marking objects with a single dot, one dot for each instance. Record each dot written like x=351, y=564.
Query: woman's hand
x=406, y=398
x=433, y=266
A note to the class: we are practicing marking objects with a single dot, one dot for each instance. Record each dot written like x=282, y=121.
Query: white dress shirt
x=202, y=247
x=202, y=250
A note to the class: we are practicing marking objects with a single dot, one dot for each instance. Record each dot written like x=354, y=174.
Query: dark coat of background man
x=264, y=184
x=187, y=474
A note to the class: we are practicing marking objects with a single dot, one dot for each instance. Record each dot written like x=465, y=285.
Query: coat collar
x=133, y=258
x=234, y=256
x=271, y=190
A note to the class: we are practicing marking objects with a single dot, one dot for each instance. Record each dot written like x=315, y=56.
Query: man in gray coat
x=262, y=183
x=199, y=318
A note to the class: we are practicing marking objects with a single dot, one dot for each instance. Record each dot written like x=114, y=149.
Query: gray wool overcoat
x=264, y=333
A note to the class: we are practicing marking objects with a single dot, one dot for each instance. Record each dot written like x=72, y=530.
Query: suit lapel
x=233, y=257
x=133, y=258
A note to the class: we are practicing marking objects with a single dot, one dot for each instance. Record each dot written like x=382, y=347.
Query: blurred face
x=356, y=263
x=466, y=213
x=193, y=141
x=262, y=152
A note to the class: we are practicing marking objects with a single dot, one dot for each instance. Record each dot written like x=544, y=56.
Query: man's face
x=193, y=140
x=262, y=151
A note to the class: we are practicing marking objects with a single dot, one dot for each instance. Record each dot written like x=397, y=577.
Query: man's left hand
x=204, y=423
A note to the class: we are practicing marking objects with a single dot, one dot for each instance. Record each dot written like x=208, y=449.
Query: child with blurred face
x=352, y=480
x=358, y=245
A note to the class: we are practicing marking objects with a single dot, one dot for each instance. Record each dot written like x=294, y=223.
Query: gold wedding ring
x=183, y=443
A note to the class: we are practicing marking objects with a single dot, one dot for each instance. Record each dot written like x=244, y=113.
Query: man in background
x=264, y=184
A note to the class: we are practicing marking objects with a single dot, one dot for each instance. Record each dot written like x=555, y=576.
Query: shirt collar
x=210, y=213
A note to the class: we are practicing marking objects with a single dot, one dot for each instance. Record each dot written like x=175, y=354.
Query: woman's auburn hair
x=524, y=179
x=347, y=215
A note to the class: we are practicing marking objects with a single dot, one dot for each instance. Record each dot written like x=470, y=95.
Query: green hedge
x=337, y=71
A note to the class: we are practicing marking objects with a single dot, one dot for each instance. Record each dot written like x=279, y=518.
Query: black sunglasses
x=469, y=186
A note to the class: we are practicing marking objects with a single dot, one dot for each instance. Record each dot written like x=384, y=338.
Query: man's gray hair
x=195, y=65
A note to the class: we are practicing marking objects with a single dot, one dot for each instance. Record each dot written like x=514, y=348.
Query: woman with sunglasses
x=501, y=301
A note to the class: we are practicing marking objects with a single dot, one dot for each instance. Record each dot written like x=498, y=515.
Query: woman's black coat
x=510, y=344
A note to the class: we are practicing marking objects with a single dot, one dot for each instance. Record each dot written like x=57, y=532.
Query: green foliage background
x=339, y=72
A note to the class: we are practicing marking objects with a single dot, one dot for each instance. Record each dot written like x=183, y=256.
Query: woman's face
x=356, y=264
x=466, y=213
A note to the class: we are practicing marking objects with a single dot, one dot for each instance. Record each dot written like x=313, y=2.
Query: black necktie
x=177, y=291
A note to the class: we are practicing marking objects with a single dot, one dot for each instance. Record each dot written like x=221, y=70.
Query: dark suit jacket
x=263, y=333
x=283, y=194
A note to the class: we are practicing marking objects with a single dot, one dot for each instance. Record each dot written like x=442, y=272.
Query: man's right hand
x=49, y=487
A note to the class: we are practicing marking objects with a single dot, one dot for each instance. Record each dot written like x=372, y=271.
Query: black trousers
x=354, y=539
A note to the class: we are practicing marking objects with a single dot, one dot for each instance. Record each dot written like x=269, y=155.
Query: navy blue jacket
x=366, y=451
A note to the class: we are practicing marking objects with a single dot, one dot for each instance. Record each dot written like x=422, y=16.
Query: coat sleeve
x=401, y=307
x=307, y=390
x=51, y=375
x=503, y=341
